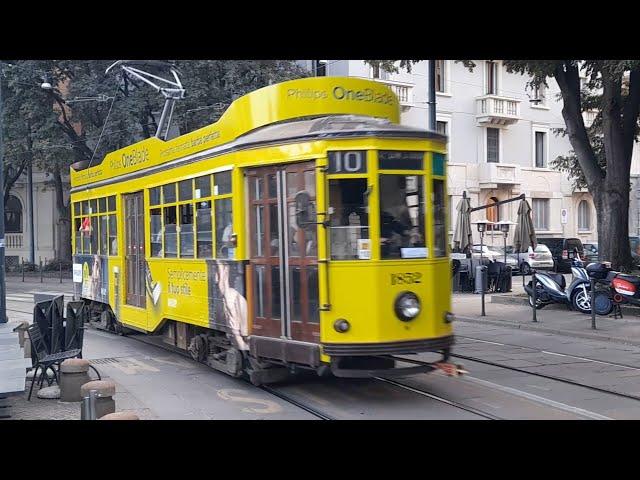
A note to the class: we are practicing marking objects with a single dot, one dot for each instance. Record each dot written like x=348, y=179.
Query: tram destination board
x=347, y=161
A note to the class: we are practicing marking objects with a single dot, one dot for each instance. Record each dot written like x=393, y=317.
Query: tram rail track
x=536, y=374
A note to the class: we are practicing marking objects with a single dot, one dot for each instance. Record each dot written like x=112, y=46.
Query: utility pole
x=432, y=95
x=3, y=290
x=32, y=236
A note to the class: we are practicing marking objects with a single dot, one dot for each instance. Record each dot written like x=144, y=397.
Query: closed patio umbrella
x=524, y=235
x=462, y=236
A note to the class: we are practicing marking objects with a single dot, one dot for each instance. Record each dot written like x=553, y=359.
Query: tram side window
x=104, y=234
x=113, y=236
x=77, y=229
x=170, y=232
x=222, y=183
x=204, y=233
x=439, y=219
x=186, y=230
x=402, y=216
x=156, y=232
x=224, y=228
x=349, y=219
x=94, y=235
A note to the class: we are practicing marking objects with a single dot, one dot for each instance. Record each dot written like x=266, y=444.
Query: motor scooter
x=552, y=288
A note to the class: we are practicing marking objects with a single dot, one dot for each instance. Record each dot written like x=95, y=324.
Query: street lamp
x=482, y=227
x=504, y=228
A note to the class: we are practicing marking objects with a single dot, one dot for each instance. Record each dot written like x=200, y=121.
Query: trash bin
x=507, y=277
x=481, y=281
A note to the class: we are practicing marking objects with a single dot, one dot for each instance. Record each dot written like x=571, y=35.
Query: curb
x=540, y=328
x=522, y=300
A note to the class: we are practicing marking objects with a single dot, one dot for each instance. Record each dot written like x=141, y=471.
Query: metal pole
x=505, y=248
x=32, y=242
x=482, y=276
x=593, y=304
x=60, y=271
x=534, y=297
x=3, y=290
x=22, y=258
x=432, y=95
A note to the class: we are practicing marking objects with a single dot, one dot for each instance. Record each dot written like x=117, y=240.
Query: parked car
x=634, y=244
x=512, y=258
x=487, y=253
x=539, y=259
x=562, y=250
x=590, y=252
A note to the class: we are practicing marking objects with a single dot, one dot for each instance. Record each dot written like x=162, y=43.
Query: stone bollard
x=22, y=333
x=105, y=390
x=27, y=345
x=120, y=416
x=74, y=373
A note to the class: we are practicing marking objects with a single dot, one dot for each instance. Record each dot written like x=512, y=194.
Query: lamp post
x=3, y=291
x=482, y=227
x=504, y=228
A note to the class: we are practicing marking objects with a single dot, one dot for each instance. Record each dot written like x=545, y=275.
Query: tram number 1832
x=405, y=278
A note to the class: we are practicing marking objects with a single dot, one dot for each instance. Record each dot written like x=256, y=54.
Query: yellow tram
x=305, y=229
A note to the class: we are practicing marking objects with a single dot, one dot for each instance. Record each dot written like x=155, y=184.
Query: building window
x=541, y=150
x=493, y=214
x=540, y=209
x=493, y=145
x=379, y=73
x=491, y=68
x=540, y=93
x=441, y=85
x=442, y=128
x=584, y=216
x=13, y=215
x=320, y=68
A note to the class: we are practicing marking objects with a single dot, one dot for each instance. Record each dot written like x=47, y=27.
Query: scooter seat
x=559, y=279
x=629, y=278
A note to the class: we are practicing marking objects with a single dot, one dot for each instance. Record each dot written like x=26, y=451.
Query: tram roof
x=315, y=106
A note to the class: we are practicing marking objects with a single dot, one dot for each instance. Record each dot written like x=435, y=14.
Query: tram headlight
x=407, y=306
x=341, y=325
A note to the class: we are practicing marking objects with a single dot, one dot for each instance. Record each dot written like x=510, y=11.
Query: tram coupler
x=450, y=369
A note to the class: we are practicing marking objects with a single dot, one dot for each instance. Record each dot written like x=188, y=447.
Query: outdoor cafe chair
x=43, y=359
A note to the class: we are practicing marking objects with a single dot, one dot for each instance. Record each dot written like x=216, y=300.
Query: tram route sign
x=347, y=161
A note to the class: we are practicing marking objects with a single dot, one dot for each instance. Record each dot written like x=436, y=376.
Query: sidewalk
x=511, y=310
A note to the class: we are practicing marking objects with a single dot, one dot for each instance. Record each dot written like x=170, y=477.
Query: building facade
x=502, y=138
x=17, y=222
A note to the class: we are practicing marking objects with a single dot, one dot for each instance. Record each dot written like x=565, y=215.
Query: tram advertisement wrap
x=94, y=282
x=212, y=292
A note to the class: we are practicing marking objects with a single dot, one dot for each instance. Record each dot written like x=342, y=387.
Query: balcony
x=404, y=91
x=495, y=175
x=588, y=117
x=495, y=110
x=13, y=241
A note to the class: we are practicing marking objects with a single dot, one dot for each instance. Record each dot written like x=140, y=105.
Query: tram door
x=134, y=252
x=283, y=255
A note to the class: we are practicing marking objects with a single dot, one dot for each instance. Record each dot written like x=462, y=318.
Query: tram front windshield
x=402, y=214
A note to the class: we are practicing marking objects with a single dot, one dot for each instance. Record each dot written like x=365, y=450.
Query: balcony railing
x=13, y=241
x=492, y=175
x=588, y=117
x=404, y=91
x=495, y=110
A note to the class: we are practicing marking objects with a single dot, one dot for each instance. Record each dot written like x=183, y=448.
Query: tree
x=43, y=129
x=604, y=158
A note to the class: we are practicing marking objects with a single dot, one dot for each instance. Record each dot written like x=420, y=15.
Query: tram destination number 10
x=352, y=161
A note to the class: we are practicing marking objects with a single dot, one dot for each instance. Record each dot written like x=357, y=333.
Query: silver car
x=512, y=259
x=540, y=259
